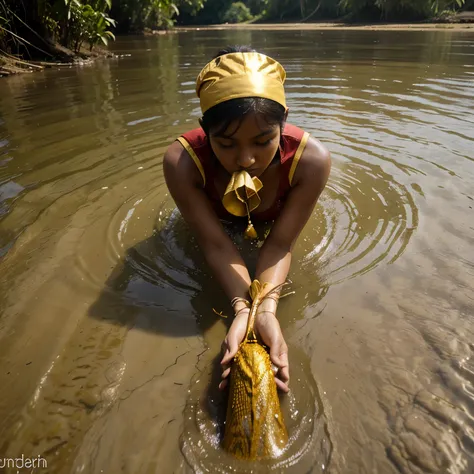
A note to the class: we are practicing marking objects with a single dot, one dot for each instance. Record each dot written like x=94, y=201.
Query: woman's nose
x=245, y=160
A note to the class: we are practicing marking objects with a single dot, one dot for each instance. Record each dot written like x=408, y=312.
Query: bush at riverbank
x=275, y=11
x=38, y=32
x=65, y=31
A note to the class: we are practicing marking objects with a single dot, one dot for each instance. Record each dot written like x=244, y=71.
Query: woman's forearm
x=273, y=266
x=230, y=270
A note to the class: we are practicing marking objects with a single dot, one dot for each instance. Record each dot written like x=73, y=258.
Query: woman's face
x=249, y=145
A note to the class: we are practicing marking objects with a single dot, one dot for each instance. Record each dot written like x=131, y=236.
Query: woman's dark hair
x=222, y=115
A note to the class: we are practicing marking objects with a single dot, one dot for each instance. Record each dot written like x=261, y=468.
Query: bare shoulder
x=179, y=166
x=314, y=164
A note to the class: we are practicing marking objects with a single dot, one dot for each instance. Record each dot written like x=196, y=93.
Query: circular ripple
x=146, y=244
x=363, y=219
x=309, y=448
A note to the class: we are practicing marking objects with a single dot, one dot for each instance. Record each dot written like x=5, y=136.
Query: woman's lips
x=250, y=170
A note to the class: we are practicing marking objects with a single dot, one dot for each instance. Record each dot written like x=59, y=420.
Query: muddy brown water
x=107, y=335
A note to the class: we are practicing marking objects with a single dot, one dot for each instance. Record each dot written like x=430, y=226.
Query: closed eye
x=265, y=143
x=223, y=145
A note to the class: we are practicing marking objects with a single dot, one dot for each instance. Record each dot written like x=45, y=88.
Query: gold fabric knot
x=241, y=198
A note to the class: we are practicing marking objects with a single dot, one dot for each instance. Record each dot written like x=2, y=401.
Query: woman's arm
x=309, y=181
x=185, y=185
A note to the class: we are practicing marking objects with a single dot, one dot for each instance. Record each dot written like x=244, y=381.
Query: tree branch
x=23, y=40
x=312, y=14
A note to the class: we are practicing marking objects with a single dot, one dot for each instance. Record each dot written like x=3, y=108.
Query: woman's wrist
x=266, y=314
x=244, y=312
x=240, y=304
x=269, y=304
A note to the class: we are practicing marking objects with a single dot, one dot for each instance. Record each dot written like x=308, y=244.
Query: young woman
x=246, y=161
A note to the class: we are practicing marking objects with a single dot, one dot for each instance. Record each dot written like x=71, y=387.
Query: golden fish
x=254, y=428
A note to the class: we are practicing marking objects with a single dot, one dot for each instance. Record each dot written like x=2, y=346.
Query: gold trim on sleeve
x=297, y=156
x=195, y=158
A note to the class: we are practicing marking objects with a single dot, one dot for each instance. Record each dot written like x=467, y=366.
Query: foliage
x=238, y=12
x=136, y=15
x=444, y=5
x=393, y=9
x=214, y=11
x=87, y=25
x=37, y=23
x=257, y=7
x=29, y=27
x=192, y=7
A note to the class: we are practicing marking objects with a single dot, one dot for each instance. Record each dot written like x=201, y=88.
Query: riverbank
x=62, y=57
x=336, y=26
x=10, y=65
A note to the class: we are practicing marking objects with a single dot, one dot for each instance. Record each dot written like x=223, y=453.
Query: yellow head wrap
x=237, y=75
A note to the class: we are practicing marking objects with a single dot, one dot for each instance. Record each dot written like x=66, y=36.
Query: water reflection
x=309, y=446
x=106, y=301
x=365, y=218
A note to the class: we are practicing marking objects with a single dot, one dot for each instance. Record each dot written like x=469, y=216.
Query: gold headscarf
x=237, y=75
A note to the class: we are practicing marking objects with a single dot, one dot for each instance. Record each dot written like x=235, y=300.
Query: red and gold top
x=292, y=144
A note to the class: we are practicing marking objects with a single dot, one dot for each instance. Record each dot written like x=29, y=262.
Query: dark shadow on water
x=163, y=284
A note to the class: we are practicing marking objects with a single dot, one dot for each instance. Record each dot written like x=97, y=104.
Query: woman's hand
x=268, y=330
x=230, y=346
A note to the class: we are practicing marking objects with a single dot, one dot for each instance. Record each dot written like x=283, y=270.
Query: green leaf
x=108, y=20
x=104, y=40
x=109, y=3
x=175, y=8
x=110, y=34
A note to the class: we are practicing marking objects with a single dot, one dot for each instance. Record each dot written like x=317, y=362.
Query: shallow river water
x=108, y=341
